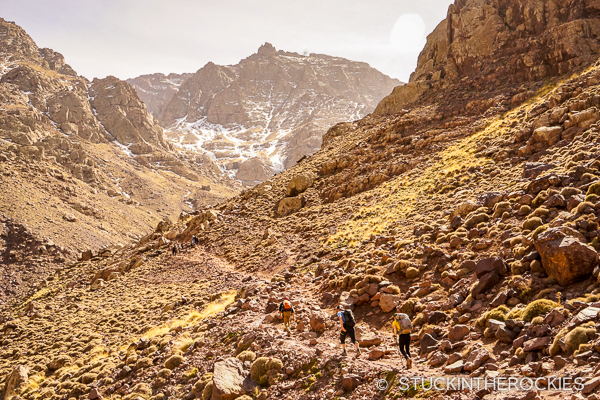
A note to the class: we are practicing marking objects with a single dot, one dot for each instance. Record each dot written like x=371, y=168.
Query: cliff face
x=496, y=42
x=156, y=90
x=271, y=109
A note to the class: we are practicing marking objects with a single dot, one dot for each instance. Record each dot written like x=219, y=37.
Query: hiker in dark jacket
x=347, y=323
x=174, y=250
x=286, y=310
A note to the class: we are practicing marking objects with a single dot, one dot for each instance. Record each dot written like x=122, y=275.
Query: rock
x=298, y=184
x=537, y=344
x=499, y=299
x=317, y=322
x=565, y=255
x=427, y=343
x=476, y=359
x=458, y=333
x=487, y=265
x=228, y=379
x=436, y=317
x=590, y=385
x=505, y=335
x=375, y=354
x=463, y=209
x=388, y=302
x=86, y=255
x=532, y=169
x=554, y=318
x=350, y=382
x=15, y=381
x=548, y=135
x=369, y=341
x=289, y=205
x=486, y=282
x=454, y=368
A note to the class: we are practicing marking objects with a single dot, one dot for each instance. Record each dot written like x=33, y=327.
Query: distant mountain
x=156, y=90
x=262, y=115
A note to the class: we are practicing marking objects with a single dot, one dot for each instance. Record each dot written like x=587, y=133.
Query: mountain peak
x=267, y=49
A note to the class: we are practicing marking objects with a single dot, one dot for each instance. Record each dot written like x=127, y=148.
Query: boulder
x=476, y=359
x=369, y=341
x=458, y=333
x=228, y=379
x=350, y=382
x=436, y=317
x=505, y=335
x=427, y=343
x=454, y=367
x=317, y=322
x=376, y=354
x=299, y=184
x=486, y=282
x=565, y=255
x=537, y=344
x=487, y=265
x=15, y=381
x=548, y=135
x=388, y=302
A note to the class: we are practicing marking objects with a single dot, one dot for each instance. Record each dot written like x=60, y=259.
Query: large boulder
x=228, y=379
x=388, y=302
x=565, y=254
x=476, y=359
x=299, y=184
x=458, y=333
x=490, y=264
x=485, y=283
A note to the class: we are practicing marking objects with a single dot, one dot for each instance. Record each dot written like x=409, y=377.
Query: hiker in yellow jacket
x=403, y=328
x=286, y=310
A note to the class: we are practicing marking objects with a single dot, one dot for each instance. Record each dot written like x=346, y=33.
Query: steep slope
x=476, y=211
x=84, y=165
x=262, y=115
x=156, y=90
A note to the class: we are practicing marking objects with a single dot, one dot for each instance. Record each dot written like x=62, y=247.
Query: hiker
x=175, y=249
x=286, y=310
x=195, y=240
x=347, y=323
x=403, y=328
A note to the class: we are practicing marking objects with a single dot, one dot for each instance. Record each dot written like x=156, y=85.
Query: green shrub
x=498, y=313
x=577, y=337
x=537, y=321
x=393, y=289
x=532, y=223
x=594, y=189
x=263, y=367
x=412, y=272
x=537, y=308
x=408, y=306
x=247, y=355
x=515, y=313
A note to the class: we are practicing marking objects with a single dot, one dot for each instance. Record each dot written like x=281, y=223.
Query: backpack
x=287, y=306
x=405, y=324
x=349, y=319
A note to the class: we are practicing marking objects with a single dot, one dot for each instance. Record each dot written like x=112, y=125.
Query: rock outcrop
x=565, y=254
x=498, y=42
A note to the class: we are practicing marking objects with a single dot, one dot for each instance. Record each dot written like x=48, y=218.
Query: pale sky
x=127, y=38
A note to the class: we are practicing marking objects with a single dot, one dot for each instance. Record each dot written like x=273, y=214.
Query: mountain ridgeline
x=264, y=114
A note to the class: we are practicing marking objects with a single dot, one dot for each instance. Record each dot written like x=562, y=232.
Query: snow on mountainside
x=262, y=115
x=157, y=89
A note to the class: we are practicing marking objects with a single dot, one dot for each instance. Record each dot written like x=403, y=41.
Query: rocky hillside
x=262, y=115
x=475, y=210
x=156, y=90
x=83, y=165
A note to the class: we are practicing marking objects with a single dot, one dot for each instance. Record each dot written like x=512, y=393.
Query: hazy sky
x=127, y=38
